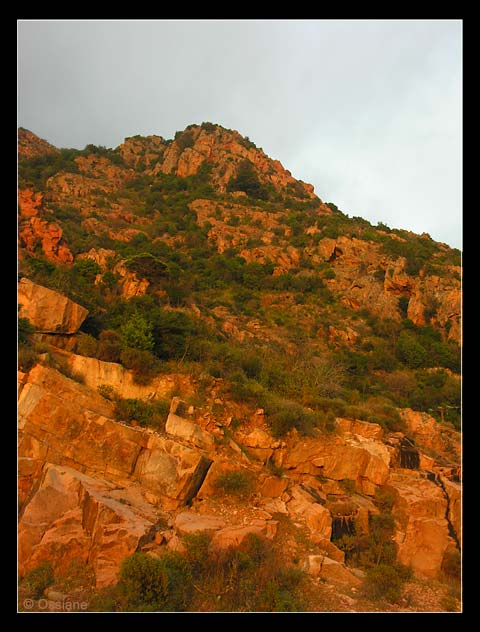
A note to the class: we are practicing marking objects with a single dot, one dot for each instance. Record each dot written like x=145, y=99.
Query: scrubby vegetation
x=376, y=552
x=296, y=371
x=249, y=578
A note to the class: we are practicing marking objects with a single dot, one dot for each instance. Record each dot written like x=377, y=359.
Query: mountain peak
x=234, y=162
x=32, y=146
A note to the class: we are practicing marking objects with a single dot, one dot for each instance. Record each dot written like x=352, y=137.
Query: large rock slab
x=47, y=310
x=356, y=458
x=190, y=522
x=317, y=517
x=331, y=570
x=422, y=534
x=71, y=517
x=188, y=430
x=97, y=373
x=64, y=422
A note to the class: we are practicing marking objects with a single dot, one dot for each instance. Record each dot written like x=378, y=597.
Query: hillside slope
x=313, y=360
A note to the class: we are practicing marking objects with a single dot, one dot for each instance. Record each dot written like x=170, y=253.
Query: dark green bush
x=38, y=579
x=385, y=581
x=86, y=345
x=137, y=333
x=235, y=482
x=155, y=585
x=143, y=413
x=25, y=329
x=109, y=346
x=403, y=302
x=247, y=181
x=452, y=564
x=142, y=363
x=27, y=357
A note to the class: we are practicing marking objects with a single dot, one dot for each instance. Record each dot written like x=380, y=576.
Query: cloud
x=367, y=111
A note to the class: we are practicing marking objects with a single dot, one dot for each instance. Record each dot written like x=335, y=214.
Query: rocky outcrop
x=190, y=522
x=32, y=146
x=422, y=534
x=47, y=310
x=329, y=569
x=97, y=373
x=430, y=434
x=453, y=493
x=178, y=426
x=318, y=519
x=66, y=423
x=223, y=150
x=142, y=150
x=365, y=429
x=72, y=516
x=34, y=231
x=355, y=458
x=130, y=284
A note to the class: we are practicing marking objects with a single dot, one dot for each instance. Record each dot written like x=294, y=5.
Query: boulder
x=317, y=518
x=354, y=457
x=234, y=536
x=453, y=492
x=191, y=432
x=273, y=487
x=422, y=534
x=331, y=570
x=97, y=373
x=72, y=516
x=29, y=471
x=47, y=310
x=365, y=429
x=429, y=433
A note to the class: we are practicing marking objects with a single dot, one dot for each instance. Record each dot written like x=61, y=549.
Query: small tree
x=137, y=333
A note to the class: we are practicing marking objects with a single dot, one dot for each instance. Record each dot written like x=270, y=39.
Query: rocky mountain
x=216, y=365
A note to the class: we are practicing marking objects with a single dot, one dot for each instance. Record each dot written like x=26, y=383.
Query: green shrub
x=452, y=564
x=109, y=346
x=137, y=333
x=385, y=581
x=284, y=415
x=38, y=579
x=86, y=345
x=107, y=391
x=25, y=329
x=403, y=302
x=247, y=181
x=150, y=585
x=235, y=482
x=142, y=363
x=410, y=351
x=385, y=498
x=143, y=413
x=27, y=357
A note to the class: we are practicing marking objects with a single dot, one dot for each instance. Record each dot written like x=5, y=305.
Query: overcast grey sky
x=368, y=111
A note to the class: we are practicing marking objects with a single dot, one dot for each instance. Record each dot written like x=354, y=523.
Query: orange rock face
x=63, y=422
x=75, y=517
x=34, y=231
x=29, y=202
x=430, y=434
x=32, y=146
x=214, y=147
x=47, y=310
x=422, y=529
